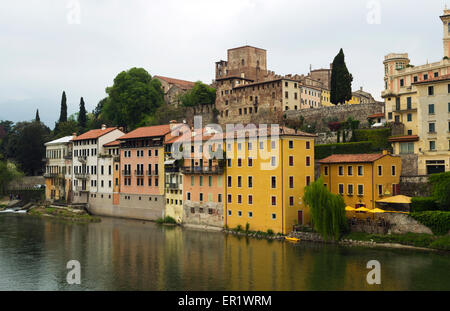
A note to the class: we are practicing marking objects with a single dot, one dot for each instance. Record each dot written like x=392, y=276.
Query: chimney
x=361, y=88
x=386, y=152
x=103, y=126
x=121, y=128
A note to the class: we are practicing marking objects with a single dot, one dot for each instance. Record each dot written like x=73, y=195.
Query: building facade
x=174, y=89
x=361, y=179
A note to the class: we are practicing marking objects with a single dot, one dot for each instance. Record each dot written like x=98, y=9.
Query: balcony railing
x=53, y=175
x=172, y=169
x=116, y=158
x=81, y=189
x=202, y=170
x=68, y=156
x=172, y=185
x=152, y=173
x=126, y=173
x=138, y=173
x=81, y=176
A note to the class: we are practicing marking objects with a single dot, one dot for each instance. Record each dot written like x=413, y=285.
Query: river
x=118, y=254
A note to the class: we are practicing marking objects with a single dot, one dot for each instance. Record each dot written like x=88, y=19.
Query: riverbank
x=72, y=215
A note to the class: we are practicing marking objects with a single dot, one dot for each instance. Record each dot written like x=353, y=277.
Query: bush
x=238, y=228
x=377, y=137
x=437, y=221
x=270, y=232
x=323, y=151
x=442, y=243
x=441, y=185
x=247, y=227
x=422, y=204
x=166, y=220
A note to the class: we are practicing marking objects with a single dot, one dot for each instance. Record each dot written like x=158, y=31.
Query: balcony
x=68, y=156
x=116, y=158
x=202, y=170
x=81, y=176
x=169, y=169
x=152, y=173
x=126, y=173
x=80, y=189
x=138, y=173
x=172, y=185
x=52, y=175
x=82, y=159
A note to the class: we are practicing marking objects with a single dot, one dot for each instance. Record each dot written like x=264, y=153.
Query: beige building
x=174, y=89
x=411, y=95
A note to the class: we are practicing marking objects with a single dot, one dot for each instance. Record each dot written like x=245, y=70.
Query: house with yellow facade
x=362, y=179
x=265, y=177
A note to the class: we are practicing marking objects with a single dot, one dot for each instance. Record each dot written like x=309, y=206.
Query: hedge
x=323, y=151
x=437, y=221
x=378, y=137
x=422, y=204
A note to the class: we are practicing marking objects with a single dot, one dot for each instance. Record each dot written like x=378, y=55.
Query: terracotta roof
x=377, y=115
x=148, y=131
x=431, y=80
x=114, y=143
x=404, y=138
x=93, y=134
x=352, y=158
x=180, y=83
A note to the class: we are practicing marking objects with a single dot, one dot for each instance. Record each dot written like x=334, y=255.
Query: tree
x=82, y=118
x=441, y=189
x=133, y=97
x=200, y=94
x=66, y=129
x=63, y=113
x=341, y=80
x=8, y=173
x=26, y=146
x=37, y=119
x=327, y=210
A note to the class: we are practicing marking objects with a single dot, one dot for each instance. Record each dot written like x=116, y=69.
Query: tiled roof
x=404, y=138
x=148, y=131
x=92, y=134
x=377, y=115
x=114, y=143
x=352, y=158
x=180, y=83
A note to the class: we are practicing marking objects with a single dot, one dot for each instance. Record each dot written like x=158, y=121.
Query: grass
x=64, y=214
x=413, y=239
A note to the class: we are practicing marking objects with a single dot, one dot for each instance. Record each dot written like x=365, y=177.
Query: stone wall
x=205, y=111
x=215, y=219
x=414, y=186
x=409, y=164
x=403, y=223
x=321, y=116
x=26, y=182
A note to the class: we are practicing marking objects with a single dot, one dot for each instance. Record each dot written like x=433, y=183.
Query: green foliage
x=28, y=195
x=65, y=129
x=200, y=94
x=166, y=220
x=37, y=118
x=26, y=146
x=327, y=210
x=238, y=228
x=341, y=80
x=323, y=151
x=63, y=113
x=82, y=117
x=442, y=243
x=378, y=137
x=8, y=173
x=270, y=232
x=164, y=115
x=247, y=227
x=422, y=204
x=437, y=221
x=133, y=97
x=441, y=189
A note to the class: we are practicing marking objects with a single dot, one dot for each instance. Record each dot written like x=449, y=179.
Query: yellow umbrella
x=376, y=211
x=398, y=199
x=349, y=209
x=396, y=212
x=362, y=209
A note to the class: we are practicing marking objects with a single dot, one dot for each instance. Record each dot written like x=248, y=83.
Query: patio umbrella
x=398, y=199
x=349, y=209
x=377, y=211
x=362, y=209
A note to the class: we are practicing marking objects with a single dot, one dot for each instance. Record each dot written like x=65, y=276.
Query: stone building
x=173, y=89
x=417, y=97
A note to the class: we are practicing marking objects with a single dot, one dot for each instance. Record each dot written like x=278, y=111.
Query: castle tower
x=446, y=38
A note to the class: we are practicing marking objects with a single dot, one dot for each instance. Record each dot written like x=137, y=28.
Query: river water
x=119, y=254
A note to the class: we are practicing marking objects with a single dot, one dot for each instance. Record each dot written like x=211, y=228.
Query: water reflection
x=134, y=255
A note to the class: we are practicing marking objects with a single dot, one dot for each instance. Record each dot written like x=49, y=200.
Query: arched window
x=243, y=62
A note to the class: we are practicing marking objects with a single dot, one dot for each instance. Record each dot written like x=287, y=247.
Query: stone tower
x=446, y=38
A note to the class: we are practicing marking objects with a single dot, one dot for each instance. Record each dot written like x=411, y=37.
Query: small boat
x=291, y=239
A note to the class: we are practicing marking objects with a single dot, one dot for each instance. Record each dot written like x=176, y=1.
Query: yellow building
x=325, y=102
x=362, y=179
x=265, y=180
x=356, y=100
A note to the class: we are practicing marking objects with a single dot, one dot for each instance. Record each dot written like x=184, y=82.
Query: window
x=406, y=148
x=291, y=160
x=431, y=109
x=380, y=190
x=219, y=198
x=291, y=144
x=360, y=189
x=274, y=216
x=308, y=180
x=291, y=182
x=272, y=145
x=390, y=115
x=325, y=170
x=273, y=182
x=250, y=214
x=425, y=76
x=250, y=199
x=274, y=200
x=250, y=162
x=188, y=196
x=409, y=117
x=402, y=83
x=408, y=103
x=341, y=170
x=436, y=74
x=350, y=170
x=380, y=170
x=229, y=213
x=261, y=145
x=393, y=170
x=350, y=189
x=239, y=199
x=430, y=90
x=201, y=181
x=192, y=180
x=360, y=170
x=210, y=181
x=308, y=145
x=308, y=161
x=239, y=181
x=273, y=161
x=229, y=162
x=229, y=198
x=201, y=197
x=239, y=162
x=432, y=145
x=229, y=181
x=431, y=128
x=341, y=189
x=250, y=181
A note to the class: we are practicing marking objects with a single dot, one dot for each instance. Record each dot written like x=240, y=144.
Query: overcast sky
x=47, y=47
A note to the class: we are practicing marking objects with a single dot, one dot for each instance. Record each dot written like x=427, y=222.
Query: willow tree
x=327, y=210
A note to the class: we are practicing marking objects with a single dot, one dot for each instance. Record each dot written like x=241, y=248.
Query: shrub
x=269, y=231
x=247, y=227
x=323, y=151
x=437, y=221
x=238, y=228
x=422, y=204
x=441, y=185
x=442, y=243
x=377, y=137
x=166, y=220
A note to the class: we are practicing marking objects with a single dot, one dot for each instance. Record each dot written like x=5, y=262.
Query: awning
x=168, y=162
x=349, y=209
x=377, y=211
x=398, y=199
x=362, y=209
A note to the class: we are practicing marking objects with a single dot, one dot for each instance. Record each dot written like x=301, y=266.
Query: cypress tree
x=341, y=80
x=63, y=114
x=37, y=119
x=82, y=116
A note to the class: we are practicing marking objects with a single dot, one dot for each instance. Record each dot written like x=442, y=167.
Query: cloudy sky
x=47, y=46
